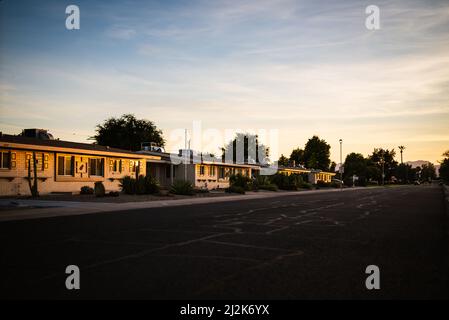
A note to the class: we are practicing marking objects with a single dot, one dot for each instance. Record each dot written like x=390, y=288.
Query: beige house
x=313, y=175
x=203, y=174
x=64, y=166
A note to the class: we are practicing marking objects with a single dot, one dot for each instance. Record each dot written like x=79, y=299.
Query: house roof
x=6, y=139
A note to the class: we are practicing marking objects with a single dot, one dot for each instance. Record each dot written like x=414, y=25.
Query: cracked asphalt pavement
x=310, y=246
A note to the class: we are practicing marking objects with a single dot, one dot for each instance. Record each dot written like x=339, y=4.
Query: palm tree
x=401, y=148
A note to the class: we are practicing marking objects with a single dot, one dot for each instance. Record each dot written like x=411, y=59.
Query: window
x=42, y=160
x=221, y=173
x=212, y=171
x=96, y=167
x=65, y=165
x=5, y=160
x=133, y=165
x=115, y=165
x=202, y=170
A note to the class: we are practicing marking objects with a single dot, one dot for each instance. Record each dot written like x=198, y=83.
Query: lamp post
x=341, y=164
x=382, y=161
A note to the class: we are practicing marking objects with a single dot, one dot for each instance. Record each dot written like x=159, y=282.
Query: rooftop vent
x=37, y=133
x=151, y=146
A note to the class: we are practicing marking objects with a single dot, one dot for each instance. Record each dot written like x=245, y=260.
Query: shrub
x=114, y=193
x=287, y=182
x=269, y=187
x=143, y=185
x=128, y=185
x=140, y=185
x=182, y=187
x=151, y=185
x=334, y=184
x=99, y=189
x=241, y=181
x=306, y=185
x=322, y=184
x=86, y=190
x=201, y=190
x=235, y=189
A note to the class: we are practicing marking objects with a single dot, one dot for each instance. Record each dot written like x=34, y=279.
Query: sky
x=302, y=68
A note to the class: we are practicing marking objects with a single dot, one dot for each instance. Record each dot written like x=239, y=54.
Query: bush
x=287, y=182
x=334, y=184
x=182, y=187
x=201, y=190
x=269, y=187
x=128, y=185
x=151, y=185
x=143, y=185
x=322, y=184
x=235, y=189
x=86, y=190
x=140, y=185
x=306, y=185
x=99, y=189
x=114, y=193
x=241, y=181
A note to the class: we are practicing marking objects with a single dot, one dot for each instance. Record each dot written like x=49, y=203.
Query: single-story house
x=64, y=166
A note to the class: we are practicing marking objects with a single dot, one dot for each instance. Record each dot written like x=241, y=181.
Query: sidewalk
x=13, y=209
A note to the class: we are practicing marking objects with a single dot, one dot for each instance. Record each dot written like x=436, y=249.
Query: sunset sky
x=302, y=67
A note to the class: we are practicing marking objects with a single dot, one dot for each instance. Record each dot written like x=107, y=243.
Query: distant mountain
x=419, y=163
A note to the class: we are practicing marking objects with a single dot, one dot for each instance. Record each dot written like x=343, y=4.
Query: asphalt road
x=290, y=247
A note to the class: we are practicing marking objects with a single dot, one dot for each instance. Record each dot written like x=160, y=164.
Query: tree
x=428, y=172
x=317, y=154
x=383, y=160
x=355, y=164
x=444, y=168
x=401, y=149
x=245, y=148
x=33, y=185
x=405, y=173
x=297, y=155
x=127, y=132
x=283, y=161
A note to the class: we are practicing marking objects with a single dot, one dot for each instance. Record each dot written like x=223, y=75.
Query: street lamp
x=341, y=165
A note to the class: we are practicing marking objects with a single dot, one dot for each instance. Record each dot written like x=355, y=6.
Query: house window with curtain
x=5, y=160
x=65, y=165
x=96, y=167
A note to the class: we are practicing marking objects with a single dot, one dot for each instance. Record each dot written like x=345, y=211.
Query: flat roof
x=7, y=139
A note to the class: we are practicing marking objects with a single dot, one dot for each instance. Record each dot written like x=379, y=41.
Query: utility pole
x=341, y=165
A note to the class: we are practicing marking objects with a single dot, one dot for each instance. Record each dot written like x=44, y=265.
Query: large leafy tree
x=405, y=173
x=355, y=164
x=317, y=154
x=283, y=161
x=428, y=172
x=127, y=132
x=383, y=158
x=245, y=148
x=444, y=167
x=297, y=155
